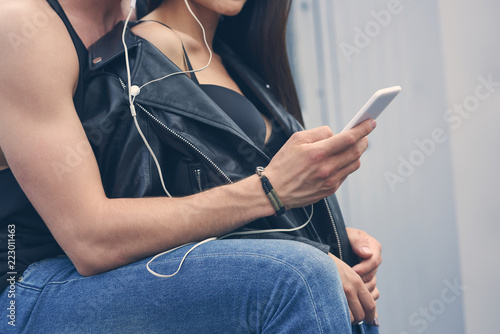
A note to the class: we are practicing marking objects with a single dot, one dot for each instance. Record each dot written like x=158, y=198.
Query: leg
x=227, y=286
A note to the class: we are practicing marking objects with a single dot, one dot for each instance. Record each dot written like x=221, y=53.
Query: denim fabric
x=226, y=286
x=364, y=329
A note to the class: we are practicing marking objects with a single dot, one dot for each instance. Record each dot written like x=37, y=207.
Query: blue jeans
x=226, y=286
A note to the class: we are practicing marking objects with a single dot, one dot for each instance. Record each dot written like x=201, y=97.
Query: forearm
x=135, y=228
x=122, y=231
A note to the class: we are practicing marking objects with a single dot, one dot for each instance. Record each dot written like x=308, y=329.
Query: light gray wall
x=427, y=188
x=471, y=49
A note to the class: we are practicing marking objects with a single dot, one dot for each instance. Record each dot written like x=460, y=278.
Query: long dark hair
x=258, y=36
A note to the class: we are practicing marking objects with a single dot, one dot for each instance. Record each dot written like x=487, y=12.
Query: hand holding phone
x=374, y=106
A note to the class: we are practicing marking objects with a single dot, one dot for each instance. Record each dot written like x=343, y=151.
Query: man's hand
x=313, y=163
x=369, y=250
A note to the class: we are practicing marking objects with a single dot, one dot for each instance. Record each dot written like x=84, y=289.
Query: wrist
x=254, y=200
x=270, y=192
x=267, y=208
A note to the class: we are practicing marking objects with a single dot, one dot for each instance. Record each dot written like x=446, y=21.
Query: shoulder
x=35, y=45
x=27, y=20
x=168, y=41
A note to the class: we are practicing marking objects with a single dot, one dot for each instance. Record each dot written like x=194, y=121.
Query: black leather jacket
x=197, y=145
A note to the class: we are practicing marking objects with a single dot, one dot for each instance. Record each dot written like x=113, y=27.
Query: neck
x=93, y=18
x=175, y=14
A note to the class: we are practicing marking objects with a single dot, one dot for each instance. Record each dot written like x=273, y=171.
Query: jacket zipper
x=197, y=174
x=334, y=228
x=182, y=139
x=198, y=171
x=187, y=143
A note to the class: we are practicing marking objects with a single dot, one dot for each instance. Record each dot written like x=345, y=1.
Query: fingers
x=369, y=306
x=313, y=135
x=362, y=251
x=361, y=242
x=340, y=158
x=375, y=294
x=367, y=269
x=362, y=305
x=341, y=149
x=372, y=284
x=332, y=170
x=355, y=307
x=344, y=140
x=368, y=249
x=369, y=277
x=365, y=128
x=348, y=161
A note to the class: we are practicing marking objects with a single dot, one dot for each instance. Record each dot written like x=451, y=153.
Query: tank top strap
x=81, y=51
x=190, y=68
x=186, y=58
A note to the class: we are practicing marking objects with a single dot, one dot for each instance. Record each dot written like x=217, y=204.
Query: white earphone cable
x=219, y=238
x=206, y=44
x=132, y=107
x=127, y=61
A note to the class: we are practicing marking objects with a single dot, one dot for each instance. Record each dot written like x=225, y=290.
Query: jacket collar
x=110, y=46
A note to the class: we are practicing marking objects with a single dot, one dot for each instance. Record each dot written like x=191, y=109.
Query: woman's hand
x=369, y=250
x=313, y=163
x=362, y=305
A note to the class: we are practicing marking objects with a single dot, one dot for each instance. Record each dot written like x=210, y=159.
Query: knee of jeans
x=311, y=264
x=303, y=276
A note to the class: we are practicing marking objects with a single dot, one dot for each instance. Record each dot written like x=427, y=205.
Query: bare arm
x=39, y=130
x=39, y=127
x=3, y=162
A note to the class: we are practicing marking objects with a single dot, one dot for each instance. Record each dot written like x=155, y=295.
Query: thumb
x=363, y=251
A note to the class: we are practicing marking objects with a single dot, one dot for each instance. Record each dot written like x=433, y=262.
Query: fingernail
x=366, y=250
x=373, y=123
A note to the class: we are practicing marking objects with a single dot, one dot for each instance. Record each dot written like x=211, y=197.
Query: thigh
x=226, y=286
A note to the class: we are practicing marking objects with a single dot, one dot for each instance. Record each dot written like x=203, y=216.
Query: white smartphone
x=374, y=106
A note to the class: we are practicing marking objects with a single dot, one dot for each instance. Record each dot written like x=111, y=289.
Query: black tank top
x=246, y=111
x=31, y=239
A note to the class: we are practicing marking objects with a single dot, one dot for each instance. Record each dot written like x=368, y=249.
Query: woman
x=100, y=235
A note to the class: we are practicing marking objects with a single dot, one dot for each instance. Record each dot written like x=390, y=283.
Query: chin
x=228, y=7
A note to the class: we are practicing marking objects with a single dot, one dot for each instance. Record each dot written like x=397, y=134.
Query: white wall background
x=428, y=186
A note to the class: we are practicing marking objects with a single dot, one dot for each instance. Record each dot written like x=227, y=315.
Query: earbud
x=133, y=3
x=135, y=90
